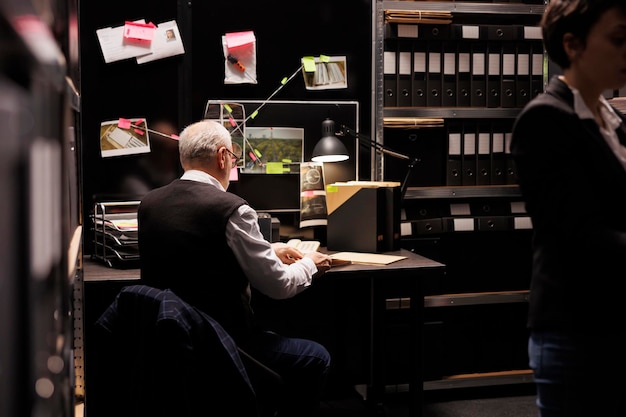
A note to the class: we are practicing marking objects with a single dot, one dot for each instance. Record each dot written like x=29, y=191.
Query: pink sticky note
x=139, y=131
x=142, y=32
x=123, y=123
x=175, y=137
x=234, y=174
x=238, y=39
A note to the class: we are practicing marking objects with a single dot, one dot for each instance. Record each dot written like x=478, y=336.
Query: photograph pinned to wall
x=232, y=116
x=324, y=72
x=166, y=42
x=117, y=139
x=239, y=57
x=313, y=210
x=273, y=150
x=115, y=48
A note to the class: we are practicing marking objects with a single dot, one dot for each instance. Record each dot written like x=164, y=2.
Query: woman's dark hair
x=575, y=17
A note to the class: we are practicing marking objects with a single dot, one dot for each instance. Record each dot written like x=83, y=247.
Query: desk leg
x=416, y=341
x=376, y=387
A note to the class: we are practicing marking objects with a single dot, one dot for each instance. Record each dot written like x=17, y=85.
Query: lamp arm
x=405, y=182
x=380, y=148
x=377, y=146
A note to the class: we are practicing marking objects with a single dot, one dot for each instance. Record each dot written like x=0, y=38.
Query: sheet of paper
x=166, y=42
x=367, y=258
x=114, y=48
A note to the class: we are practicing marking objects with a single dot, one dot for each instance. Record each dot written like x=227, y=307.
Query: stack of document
x=412, y=122
x=116, y=238
x=418, y=16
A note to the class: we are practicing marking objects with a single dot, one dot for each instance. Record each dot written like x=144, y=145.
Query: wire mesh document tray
x=115, y=233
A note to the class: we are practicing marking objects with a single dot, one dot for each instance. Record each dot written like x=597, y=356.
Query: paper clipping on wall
x=312, y=195
x=167, y=42
x=324, y=72
x=117, y=140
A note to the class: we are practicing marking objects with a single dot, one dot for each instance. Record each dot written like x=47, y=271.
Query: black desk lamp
x=330, y=149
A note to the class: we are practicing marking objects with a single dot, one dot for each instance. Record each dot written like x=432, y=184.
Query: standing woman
x=569, y=148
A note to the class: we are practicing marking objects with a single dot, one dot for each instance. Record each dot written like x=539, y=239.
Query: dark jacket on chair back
x=155, y=355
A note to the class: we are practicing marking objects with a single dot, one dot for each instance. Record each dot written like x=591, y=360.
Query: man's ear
x=219, y=156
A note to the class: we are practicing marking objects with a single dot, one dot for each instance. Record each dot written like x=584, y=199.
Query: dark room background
x=171, y=93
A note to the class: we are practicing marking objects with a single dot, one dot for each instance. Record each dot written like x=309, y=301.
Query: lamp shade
x=329, y=148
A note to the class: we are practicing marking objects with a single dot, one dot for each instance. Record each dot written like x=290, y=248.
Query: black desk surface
x=97, y=271
x=333, y=315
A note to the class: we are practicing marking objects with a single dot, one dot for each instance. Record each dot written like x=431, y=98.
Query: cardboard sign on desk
x=363, y=216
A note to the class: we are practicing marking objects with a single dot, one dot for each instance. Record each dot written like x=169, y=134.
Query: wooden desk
x=408, y=273
x=412, y=270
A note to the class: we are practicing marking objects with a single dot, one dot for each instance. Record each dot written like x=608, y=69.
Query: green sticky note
x=274, y=168
x=309, y=63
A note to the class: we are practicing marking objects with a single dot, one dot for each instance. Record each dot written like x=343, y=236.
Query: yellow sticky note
x=309, y=63
x=274, y=168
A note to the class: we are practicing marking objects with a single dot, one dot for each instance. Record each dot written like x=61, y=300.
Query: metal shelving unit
x=453, y=195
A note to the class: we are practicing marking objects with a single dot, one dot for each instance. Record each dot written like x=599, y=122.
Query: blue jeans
x=303, y=364
x=578, y=376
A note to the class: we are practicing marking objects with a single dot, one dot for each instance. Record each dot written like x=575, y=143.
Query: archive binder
x=425, y=216
x=478, y=77
x=465, y=32
x=536, y=69
x=498, y=162
x=523, y=74
x=389, y=78
x=466, y=35
x=511, y=174
x=500, y=32
x=468, y=176
x=483, y=155
x=453, y=163
x=494, y=80
x=393, y=203
x=419, y=75
x=508, y=87
x=463, y=82
x=433, y=77
x=448, y=85
x=439, y=32
x=404, y=98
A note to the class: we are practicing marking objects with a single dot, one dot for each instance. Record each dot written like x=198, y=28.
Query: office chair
x=155, y=355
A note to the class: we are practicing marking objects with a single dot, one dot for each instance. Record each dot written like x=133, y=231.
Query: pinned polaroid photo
x=124, y=137
x=166, y=42
x=324, y=72
x=115, y=46
x=313, y=211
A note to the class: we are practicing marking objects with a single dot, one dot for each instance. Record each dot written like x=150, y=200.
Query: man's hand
x=322, y=261
x=287, y=254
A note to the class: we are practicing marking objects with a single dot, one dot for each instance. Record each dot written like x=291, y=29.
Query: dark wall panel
x=173, y=91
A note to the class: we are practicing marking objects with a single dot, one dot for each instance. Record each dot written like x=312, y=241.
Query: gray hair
x=201, y=140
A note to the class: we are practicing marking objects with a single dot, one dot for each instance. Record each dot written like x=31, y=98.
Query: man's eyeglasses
x=234, y=155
